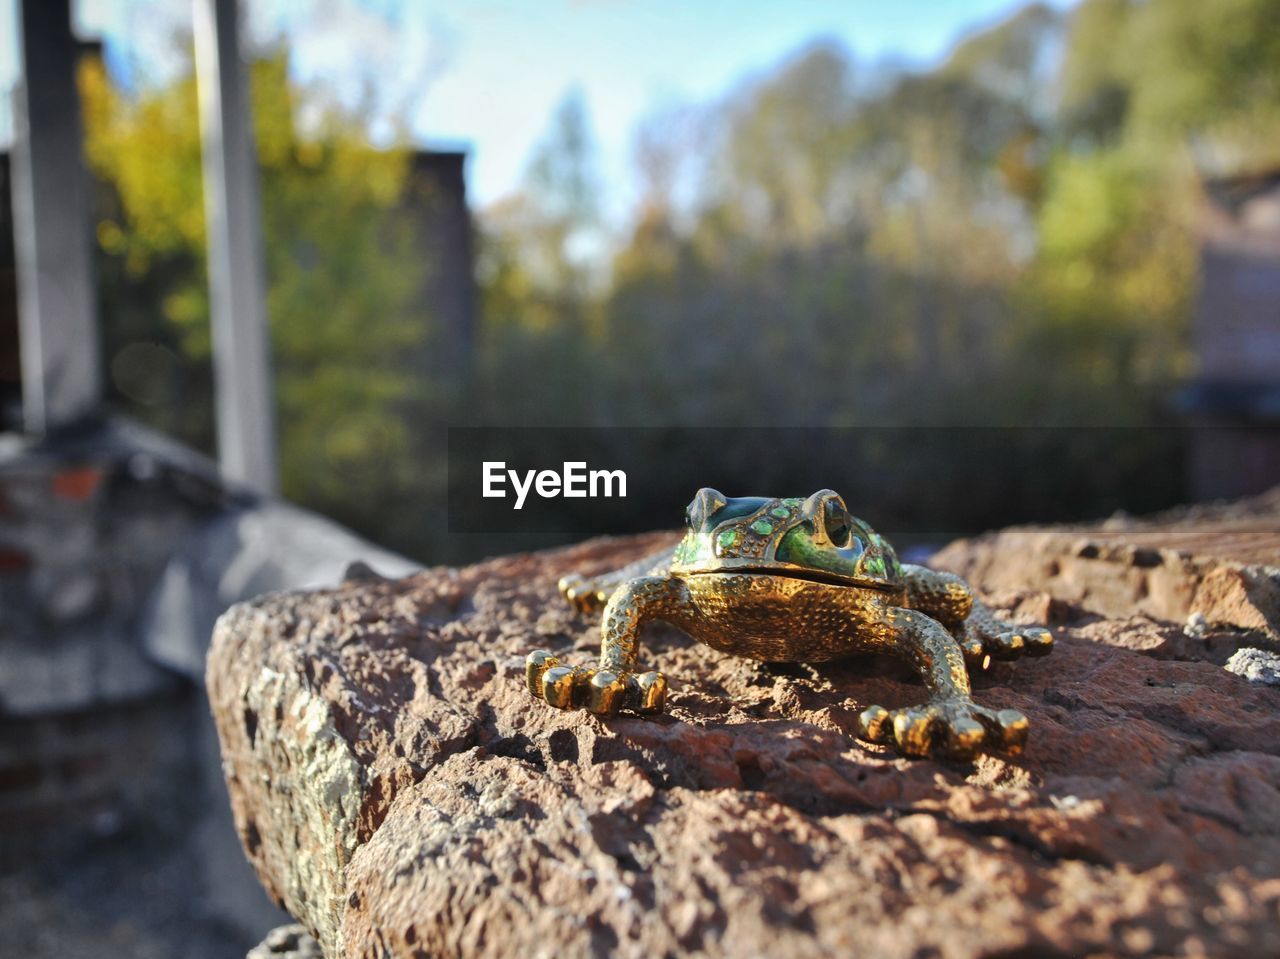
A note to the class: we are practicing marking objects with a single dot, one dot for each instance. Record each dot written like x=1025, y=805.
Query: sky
x=486, y=75
x=507, y=69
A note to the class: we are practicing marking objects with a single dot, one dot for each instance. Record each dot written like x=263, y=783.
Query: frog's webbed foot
x=599, y=691
x=950, y=724
x=950, y=728
x=983, y=637
x=616, y=684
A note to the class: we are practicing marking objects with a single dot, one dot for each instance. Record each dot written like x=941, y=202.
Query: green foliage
x=1112, y=284
x=1006, y=239
x=1194, y=68
x=1093, y=91
x=350, y=334
x=787, y=193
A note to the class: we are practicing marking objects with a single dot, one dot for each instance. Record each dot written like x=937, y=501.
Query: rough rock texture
x=398, y=791
x=1218, y=563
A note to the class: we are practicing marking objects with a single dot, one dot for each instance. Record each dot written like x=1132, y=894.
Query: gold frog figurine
x=798, y=580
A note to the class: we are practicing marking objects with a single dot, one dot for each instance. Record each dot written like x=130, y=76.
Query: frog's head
x=814, y=538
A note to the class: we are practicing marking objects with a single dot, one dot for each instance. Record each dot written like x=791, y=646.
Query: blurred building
x=436, y=196
x=1234, y=404
x=120, y=547
x=10, y=366
x=436, y=193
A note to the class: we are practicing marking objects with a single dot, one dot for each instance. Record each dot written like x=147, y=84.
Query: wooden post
x=245, y=401
x=57, y=315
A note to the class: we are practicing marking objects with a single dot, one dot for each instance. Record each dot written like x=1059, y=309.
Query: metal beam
x=57, y=316
x=245, y=401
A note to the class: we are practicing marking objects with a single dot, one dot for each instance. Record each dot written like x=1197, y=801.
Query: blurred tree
x=344, y=278
x=1206, y=74
x=1109, y=293
x=561, y=203
x=1015, y=59
x=781, y=171
x=539, y=284
x=1008, y=237
x=1093, y=95
x=1154, y=96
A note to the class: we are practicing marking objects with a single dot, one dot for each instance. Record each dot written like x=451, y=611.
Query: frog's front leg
x=947, y=598
x=950, y=723
x=615, y=684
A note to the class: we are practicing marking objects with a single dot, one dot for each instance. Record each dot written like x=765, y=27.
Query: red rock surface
x=399, y=792
x=1217, y=562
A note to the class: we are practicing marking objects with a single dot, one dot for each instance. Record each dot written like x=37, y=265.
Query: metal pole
x=245, y=401
x=57, y=321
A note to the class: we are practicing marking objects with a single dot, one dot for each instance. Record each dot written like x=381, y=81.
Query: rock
x=400, y=794
x=287, y=942
x=1214, y=566
x=1256, y=665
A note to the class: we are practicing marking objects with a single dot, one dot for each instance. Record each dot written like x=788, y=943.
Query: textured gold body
x=783, y=619
x=786, y=612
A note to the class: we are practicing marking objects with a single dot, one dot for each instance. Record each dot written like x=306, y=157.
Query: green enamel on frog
x=798, y=580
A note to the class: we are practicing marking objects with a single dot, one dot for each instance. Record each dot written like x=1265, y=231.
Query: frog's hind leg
x=943, y=596
x=982, y=637
x=590, y=594
x=1000, y=640
x=616, y=684
x=950, y=723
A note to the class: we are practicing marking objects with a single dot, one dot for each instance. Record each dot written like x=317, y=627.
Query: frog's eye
x=704, y=505
x=829, y=518
x=837, y=522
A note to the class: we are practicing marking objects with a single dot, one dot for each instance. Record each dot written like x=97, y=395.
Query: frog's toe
x=1024, y=641
x=915, y=730
x=558, y=687
x=606, y=692
x=1038, y=641
x=536, y=665
x=975, y=653
x=1006, y=729
x=568, y=687
x=935, y=730
x=953, y=730
x=875, y=725
x=968, y=729
x=563, y=687
x=963, y=737
x=582, y=594
x=599, y=691
x=910, y=731
x=650, y=692
x=1007, y=645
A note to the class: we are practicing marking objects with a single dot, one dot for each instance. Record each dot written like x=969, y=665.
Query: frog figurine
x=798, y=580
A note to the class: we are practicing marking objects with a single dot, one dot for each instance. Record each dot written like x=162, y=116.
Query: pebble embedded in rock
x=1255, y=665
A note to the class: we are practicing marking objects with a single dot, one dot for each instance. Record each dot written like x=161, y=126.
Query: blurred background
x=255, y=263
